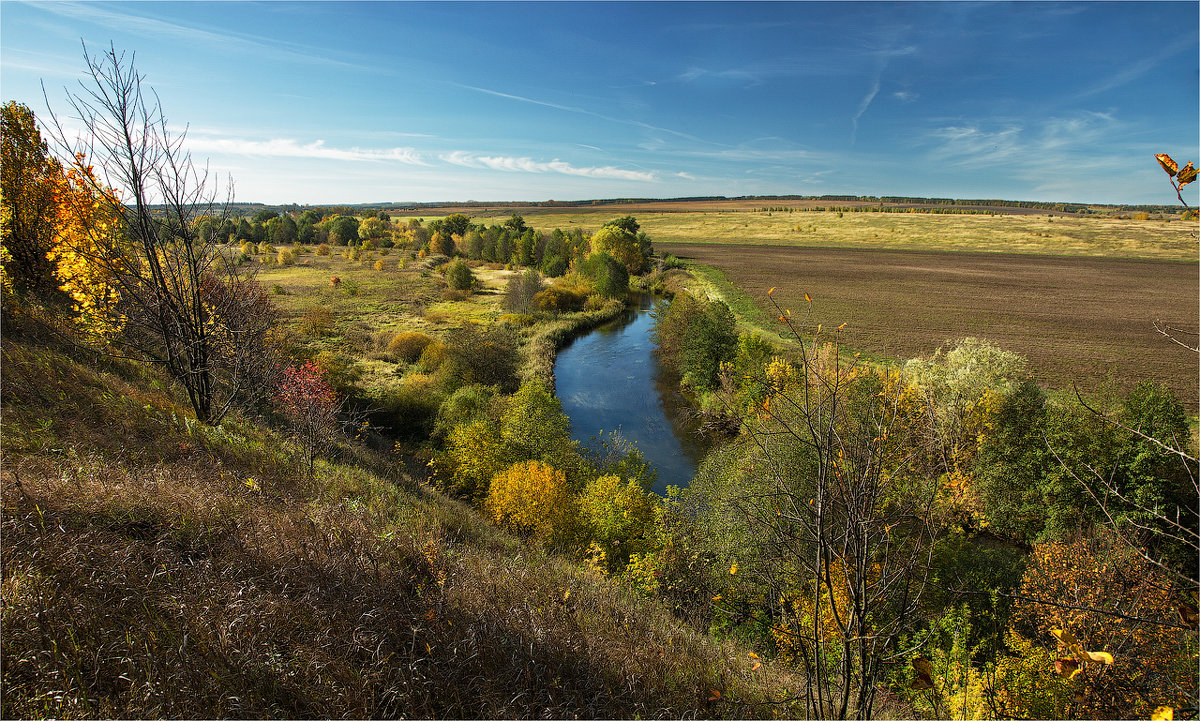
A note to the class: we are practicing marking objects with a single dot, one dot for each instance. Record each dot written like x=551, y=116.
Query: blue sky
x=381, y=101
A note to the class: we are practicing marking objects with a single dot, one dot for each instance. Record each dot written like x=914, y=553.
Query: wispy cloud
x=529, y=165
x=1140, y=67
x=290, y=148
x=582, y=111
x=130, y=22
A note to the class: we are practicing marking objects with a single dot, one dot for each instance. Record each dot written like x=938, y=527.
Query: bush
x=409, y=345
x=459, y=275
x=433, y=357
x=531, y=498
x=323, y=249
x=558, y=299
x=619, y=517
x=607, y=275
x=318, y=321
x=285, y=257
x=379, y=264
x=490, y=357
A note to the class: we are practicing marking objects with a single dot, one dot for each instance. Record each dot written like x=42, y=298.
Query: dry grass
x=156, y=568
x=1026, y=232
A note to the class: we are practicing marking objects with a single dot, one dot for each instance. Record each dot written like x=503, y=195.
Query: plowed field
x=1079, y=320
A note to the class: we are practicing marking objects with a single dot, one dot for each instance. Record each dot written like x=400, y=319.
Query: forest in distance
x=309, y=461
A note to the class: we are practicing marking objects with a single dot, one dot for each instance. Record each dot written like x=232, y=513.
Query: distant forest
x=887, y=200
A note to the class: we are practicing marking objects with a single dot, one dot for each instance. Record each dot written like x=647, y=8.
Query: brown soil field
x=1079, y=320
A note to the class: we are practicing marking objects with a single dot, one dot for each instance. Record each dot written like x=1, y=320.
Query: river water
x=610, y=380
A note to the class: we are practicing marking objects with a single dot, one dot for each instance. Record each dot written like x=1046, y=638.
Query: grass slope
x=154, y=567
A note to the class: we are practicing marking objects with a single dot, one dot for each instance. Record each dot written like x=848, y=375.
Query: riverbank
x=548, y=337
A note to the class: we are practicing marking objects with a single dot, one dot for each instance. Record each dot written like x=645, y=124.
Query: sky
x=365, y=102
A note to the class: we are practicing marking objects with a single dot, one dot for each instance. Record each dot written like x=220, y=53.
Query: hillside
x=157, y=567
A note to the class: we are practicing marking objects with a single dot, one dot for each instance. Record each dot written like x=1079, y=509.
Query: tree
x=28, y=179
x=311, y=406
x=520, y=291
x=442, y=243
x=1100, y=592
x=459, y=276
x=621, y=245
x=343, y=230
x=607, y=275
x=188, y=307
x=456, y=224
x=282, y=230
x=619, y=516
x=516, y=224
x=372, y=229
x=823, y=510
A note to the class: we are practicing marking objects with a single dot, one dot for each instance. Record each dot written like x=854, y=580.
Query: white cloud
x=529, y=165
x=290, y=148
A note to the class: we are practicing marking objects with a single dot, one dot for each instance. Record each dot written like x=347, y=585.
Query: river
x=610, y=380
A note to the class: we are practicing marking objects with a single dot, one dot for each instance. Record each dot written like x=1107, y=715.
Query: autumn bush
x=559, y=299
x=409, y=345
x=532, y=499
x=619, y=518
x=318, y=321
x=1108, y=597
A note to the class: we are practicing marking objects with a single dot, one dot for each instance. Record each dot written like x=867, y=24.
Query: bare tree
x=188, y=308
x=834, y=503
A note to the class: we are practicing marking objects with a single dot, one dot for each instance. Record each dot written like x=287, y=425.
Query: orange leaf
x=772, y=290
x=755, y=666
x=716, y=695
x=1167, y=164
x=1187, y=175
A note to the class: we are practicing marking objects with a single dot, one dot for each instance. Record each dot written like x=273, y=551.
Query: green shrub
x=459, y=275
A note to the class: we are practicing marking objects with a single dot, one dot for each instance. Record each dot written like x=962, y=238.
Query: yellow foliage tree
x=532, y=498
x=87, y=248
x=619, y=516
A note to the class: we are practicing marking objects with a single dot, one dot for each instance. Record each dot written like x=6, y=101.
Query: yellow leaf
x=843, y=325
x=808, y=297
x=717, y=597
x=753, y=655
x=1167, y=164
x=1187, y=175
x=772, y=290
x=566, y=595
x=1100, y=656
x=733, y=569
x=1163, y=713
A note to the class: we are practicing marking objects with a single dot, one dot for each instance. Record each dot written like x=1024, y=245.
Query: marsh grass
x=153, y=567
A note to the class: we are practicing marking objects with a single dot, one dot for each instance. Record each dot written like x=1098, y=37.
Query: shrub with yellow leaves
x=532, y=499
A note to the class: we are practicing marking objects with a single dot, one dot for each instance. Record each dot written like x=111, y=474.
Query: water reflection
x=609, y=380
